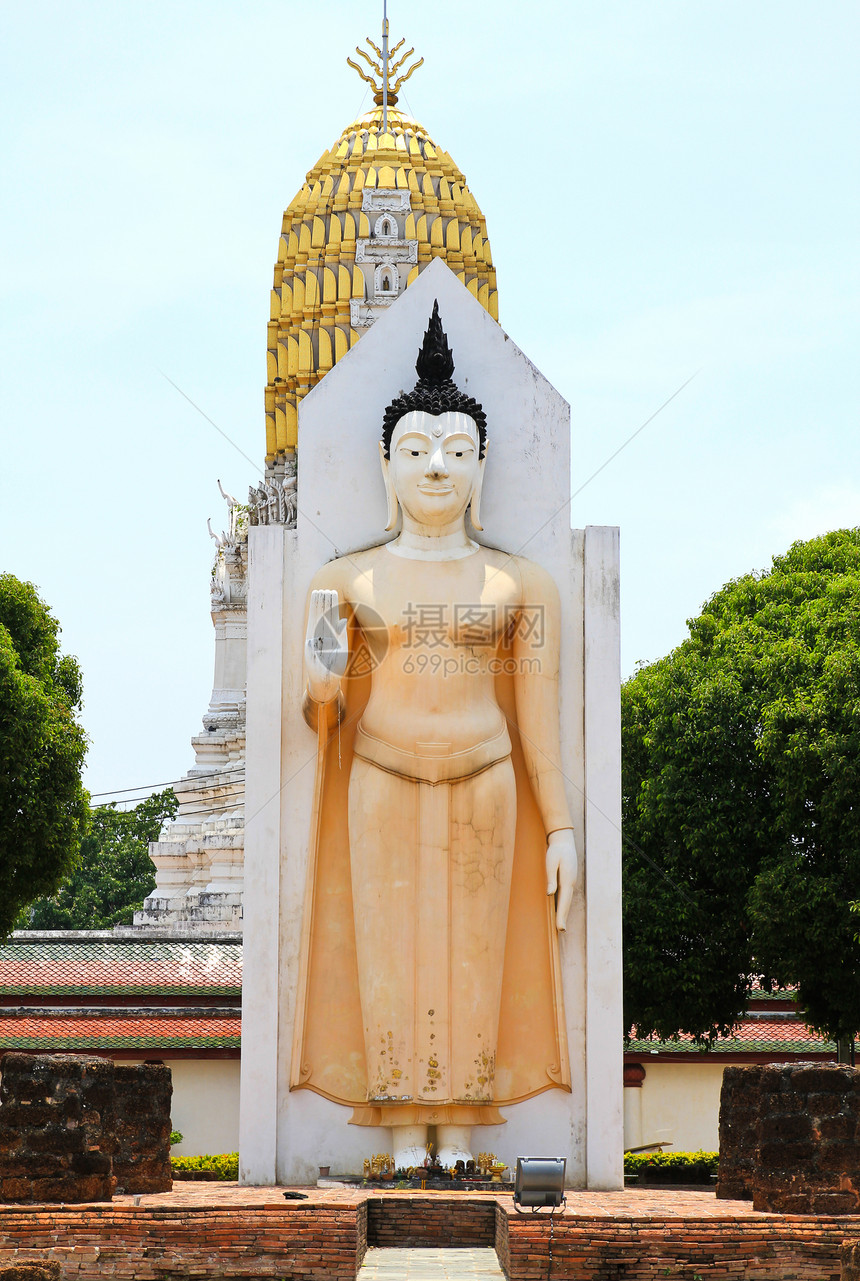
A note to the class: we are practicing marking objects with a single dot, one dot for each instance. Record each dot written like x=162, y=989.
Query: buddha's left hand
x=561, y=869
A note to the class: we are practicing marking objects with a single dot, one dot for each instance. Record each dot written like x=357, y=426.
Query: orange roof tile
x=776, y=1034
x=101, y=967
x=117, y=1029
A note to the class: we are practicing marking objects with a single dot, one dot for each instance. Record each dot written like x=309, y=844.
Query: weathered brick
x=739, y=1110
x=849, y=1258
x=141, y=1147
x=802, y=1150
x=36, y=1271
x=815, y=1078
x=320, y=1239
x=59, y=1127
x=782, y=1128
x=838, y=1129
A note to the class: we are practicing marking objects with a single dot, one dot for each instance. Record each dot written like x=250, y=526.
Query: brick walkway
x=631, y=1203
x=430, y=1265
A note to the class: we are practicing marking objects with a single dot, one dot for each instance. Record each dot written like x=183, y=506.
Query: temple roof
x=74, y=1031
x=101, y=967
x=108, y=992
x=767, y=1033
x=373, y=212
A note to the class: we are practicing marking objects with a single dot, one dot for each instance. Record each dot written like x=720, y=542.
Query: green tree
x=43, y=806
x=114, y=873
x=741, y=787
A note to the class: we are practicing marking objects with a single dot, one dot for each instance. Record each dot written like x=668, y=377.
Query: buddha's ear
x=475, y=498
x=393, y=510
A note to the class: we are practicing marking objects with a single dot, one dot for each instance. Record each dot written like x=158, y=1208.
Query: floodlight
x=540, y=1182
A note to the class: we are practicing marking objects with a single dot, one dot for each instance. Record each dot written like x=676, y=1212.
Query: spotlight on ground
x=540, y=1183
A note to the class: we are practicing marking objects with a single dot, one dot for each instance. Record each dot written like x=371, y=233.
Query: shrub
x=696, y=1166
x=225, y=1166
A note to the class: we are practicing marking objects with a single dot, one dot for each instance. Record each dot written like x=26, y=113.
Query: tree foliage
x=43, y=806
x=114, y=873
x=741, y=786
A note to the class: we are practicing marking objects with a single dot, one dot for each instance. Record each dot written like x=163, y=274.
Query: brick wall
x=141, y=1147
x=789, y=1137
x=295, y=1242
x=650, y=1249
x=808, y=1156
x=850, y=1260
x=407, y=1222
x=54, y=1112
x=73, y=1127
x=31, y=1272
x=739, y=1114
x=318, y=1240
x=502, y=1239
x=360, y=1233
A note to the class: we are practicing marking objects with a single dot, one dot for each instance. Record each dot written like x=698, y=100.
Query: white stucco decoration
x=385, y=227
x=395, y=199
x=385, y=250
x=386, y=272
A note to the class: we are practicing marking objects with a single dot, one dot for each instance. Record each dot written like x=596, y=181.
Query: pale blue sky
x=670, y=186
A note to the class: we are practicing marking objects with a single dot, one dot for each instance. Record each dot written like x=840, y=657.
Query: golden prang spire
x=373, y=212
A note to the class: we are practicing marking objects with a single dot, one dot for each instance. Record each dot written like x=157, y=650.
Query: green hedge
x=698, y=1165
x=226, y=1166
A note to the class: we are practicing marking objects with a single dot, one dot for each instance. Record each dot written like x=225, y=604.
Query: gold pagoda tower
x=372, y=213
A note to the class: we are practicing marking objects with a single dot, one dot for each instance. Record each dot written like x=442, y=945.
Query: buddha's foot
x=453, y=1144
x=409, y=1145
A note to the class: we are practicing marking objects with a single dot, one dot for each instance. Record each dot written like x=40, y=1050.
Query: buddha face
x=434, y=465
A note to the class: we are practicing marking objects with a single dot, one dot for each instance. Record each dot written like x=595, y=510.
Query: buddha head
x=434, y=442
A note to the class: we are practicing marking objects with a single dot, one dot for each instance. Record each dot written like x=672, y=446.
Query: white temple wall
x=678, y=1104
x=205, y=1105
x=267, y=614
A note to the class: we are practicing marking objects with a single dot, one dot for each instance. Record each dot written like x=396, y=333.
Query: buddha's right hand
x=326, y=646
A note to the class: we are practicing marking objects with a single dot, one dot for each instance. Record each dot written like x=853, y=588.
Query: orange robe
x=445, y=1019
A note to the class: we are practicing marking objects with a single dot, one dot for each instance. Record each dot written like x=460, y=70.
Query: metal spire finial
x=385, y=66
x=384, y=94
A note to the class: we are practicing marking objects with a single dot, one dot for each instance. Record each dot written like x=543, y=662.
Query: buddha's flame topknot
x=435, y=392
x=435, y=363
